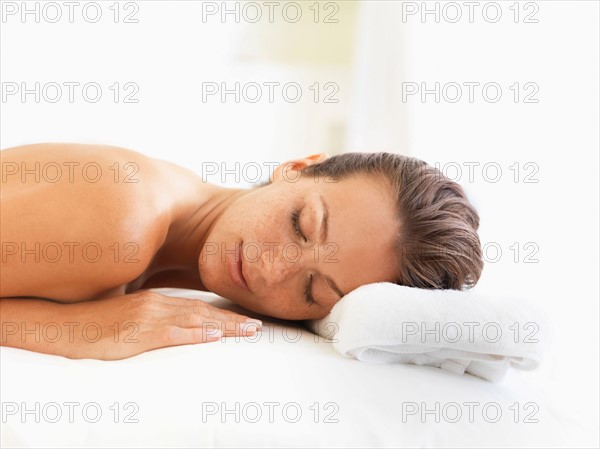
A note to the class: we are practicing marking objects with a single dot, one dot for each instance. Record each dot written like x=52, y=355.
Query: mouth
x=235, y=267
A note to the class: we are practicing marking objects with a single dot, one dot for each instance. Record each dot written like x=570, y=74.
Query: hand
x=127, y=325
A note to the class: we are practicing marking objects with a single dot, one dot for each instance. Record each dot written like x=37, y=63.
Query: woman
x=87, y=229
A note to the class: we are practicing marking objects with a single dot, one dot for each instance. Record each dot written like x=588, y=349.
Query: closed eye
x=308, y=295
x=296, y=225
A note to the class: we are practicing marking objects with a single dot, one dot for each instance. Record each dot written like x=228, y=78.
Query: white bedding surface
x=371, y=403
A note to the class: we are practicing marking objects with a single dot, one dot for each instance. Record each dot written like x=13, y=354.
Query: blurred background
x=503, y=97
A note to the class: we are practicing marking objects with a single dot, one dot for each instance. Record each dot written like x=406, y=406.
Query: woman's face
x=347, y=234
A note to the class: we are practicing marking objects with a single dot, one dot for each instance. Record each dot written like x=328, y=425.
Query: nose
x=280, y=263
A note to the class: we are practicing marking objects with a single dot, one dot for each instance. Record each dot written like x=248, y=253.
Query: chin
x=210, y=278
x=216, y=282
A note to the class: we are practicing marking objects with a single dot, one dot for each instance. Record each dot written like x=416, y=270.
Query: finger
x=174, y=336
x=234, y=329
x=187, y=317
x=210, y=311
x=227, y=327
x=230, y=315
x=234, y=317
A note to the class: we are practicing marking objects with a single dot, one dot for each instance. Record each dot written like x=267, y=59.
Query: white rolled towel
x=460, y=331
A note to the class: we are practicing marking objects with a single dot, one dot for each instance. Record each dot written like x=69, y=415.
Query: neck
x=191, y=223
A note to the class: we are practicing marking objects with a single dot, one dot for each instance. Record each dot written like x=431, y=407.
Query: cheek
x=249, y=222
x=268, y=226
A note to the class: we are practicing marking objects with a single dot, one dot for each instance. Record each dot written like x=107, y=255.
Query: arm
x=114, y=328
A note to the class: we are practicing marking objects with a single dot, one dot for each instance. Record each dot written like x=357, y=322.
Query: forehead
x=363, y=229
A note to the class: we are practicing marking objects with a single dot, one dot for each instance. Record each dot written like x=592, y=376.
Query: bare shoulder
x=78, y=219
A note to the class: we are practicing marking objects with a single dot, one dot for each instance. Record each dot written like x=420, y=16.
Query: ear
x=288, y=169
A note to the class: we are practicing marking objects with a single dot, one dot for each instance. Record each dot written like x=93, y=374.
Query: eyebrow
x=325, y=221
x=323, y=233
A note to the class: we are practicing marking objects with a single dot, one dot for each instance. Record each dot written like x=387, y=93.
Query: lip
x=235, y=268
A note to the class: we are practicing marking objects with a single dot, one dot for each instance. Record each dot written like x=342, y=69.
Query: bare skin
x=85, y=247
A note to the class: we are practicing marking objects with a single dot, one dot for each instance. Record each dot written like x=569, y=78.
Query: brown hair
x=438, y=246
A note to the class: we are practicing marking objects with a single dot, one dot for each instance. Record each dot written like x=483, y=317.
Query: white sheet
x=170, y=385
